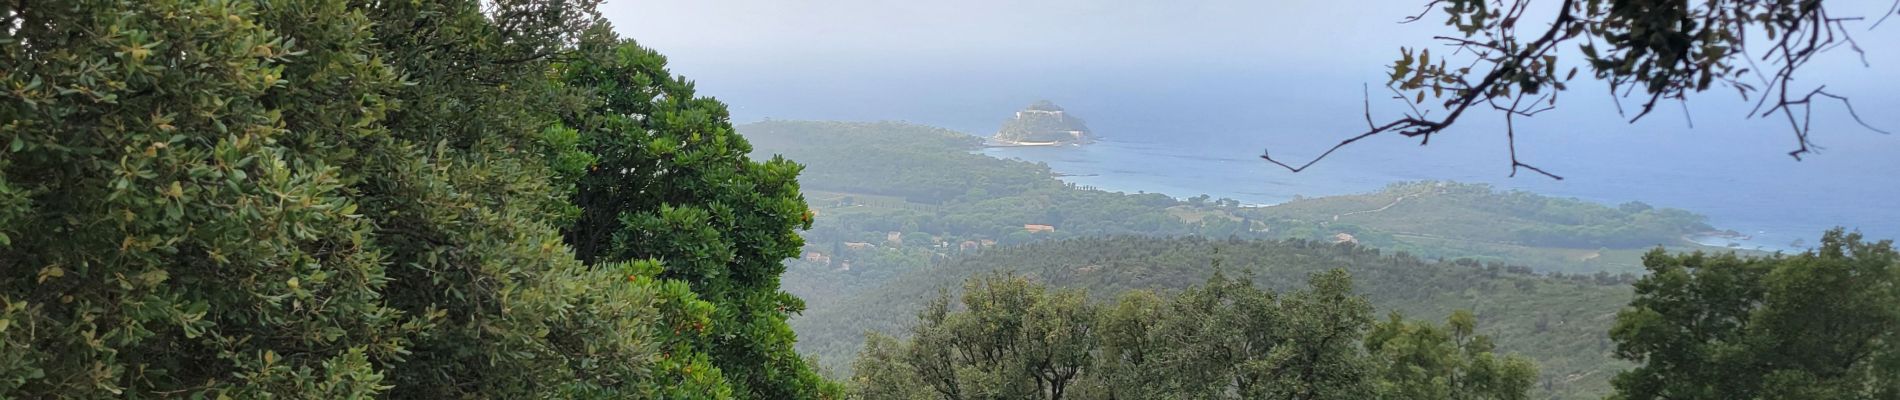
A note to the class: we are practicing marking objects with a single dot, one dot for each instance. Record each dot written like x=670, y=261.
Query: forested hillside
x=882, y=227
x=1449, y=219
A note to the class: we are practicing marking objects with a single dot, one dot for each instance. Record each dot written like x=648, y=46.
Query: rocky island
x=1042, y=124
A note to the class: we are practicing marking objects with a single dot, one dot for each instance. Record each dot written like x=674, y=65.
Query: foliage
x=1017, y=339
x=1476, y=212
x=332, y=199
x=1559, y=323
x=672, y=181
x=1421, y=361
x=917, y=163
x=1816, y=325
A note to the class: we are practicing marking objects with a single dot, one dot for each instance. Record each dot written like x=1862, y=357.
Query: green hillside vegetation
x=869, y=179
x=1559, y=322
x=862, y=193
x=1477, y=212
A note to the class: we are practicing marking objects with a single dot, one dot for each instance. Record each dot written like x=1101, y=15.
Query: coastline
x=993, y=142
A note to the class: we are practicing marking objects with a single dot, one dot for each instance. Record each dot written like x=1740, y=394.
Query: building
x=1034, y=228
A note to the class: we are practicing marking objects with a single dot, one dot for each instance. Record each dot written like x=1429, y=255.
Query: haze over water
x=1187, y=94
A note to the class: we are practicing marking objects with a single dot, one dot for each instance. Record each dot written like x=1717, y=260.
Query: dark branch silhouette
x=1668, y=65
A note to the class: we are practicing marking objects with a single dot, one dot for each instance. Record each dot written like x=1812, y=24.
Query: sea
x=1201, y=130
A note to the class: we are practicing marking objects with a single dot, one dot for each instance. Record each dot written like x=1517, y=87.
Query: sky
x=926, y=60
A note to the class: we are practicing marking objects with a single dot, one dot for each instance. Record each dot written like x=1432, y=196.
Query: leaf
x=51, y=272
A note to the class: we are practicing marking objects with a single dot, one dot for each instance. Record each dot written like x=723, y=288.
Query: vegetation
x=1558, y=321
x=503, y=199
x=671, y=181
x=918, y=163
x=330, y=199
x=867, y=180
x=1477, y=212
x=1816, y=325
x=1016, y=339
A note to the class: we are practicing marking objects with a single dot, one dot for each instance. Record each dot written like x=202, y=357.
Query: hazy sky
x=774, y=57
x=1305, y=34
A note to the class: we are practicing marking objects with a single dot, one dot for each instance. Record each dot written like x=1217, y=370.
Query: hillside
x=905, y=209
x=1449, y=219
x=1561, y=323
x=869, y=179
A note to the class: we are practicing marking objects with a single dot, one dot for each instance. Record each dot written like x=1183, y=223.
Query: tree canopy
x=1015, y=339
x=1816, y=325
x=333, y=199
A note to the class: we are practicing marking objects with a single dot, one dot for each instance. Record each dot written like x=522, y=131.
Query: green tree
x=330, y=199
x=1421, y=361
x=673, y=181
x=1817, y=325
x=1222, y=340
x=1015, y=340
x=881, y=373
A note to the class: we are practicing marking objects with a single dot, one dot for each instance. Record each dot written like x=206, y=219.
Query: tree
x=1225, y=339
x=1669, y=49
x=1816, y=325
x=671, y=180
x=332, y=199
x=1014, y=341
x=1421, y=361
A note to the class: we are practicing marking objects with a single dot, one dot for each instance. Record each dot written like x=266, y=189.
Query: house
x=895, y=238
x=817, y=257
x=859, y=245
x=1343, y=237
x=987, y=242
x=969, y=245
x=1033, y=228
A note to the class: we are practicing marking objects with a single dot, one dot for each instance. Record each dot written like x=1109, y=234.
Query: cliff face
x=1043, y=123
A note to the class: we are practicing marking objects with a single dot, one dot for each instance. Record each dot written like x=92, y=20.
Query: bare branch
x=1417, y=125
x=1640, y=54
x=1510, y=135
x=1883, y=17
